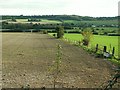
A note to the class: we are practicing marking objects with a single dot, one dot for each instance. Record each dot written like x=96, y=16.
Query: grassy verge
x=109, y=41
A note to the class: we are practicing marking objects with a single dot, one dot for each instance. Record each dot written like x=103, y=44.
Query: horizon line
x=55, y=15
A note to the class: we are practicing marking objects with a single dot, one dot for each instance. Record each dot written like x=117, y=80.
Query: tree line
x=60, y=17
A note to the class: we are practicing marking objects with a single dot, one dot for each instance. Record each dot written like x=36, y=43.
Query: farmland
x=26, y=58
x=28, y=52
x=100, y=22
x=47, y=21
x=43, y=21
x=97, y=39
x=97, y=22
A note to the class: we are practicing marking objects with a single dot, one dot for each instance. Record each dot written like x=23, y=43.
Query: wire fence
x=105, y=50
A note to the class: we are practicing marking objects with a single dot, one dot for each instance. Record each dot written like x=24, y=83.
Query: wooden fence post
x=105, y=49
x=96, y=49
x=113, y=51
x=110, y=49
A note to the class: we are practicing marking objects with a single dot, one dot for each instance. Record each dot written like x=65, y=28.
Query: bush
x=45, y=32
x=54, y=35
x=13, y=19
x=105, y=33
x=113, y=34
x=87, y=35
x=85, y=42
x=95, y=33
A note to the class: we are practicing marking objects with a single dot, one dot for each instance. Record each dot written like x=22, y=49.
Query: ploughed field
x=27, y=57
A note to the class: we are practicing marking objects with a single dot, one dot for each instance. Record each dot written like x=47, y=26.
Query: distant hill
x=61, y=17
x=22, y=23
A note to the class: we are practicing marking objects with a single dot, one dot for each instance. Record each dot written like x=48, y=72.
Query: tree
x=13, y=19
x=45, y=31
x=60, y=31
x=87, y=35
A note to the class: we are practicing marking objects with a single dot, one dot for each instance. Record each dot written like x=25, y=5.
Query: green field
x=97, y=39
x=50, y=21
x=100, y=22
x=105, y=22
x=43, y=21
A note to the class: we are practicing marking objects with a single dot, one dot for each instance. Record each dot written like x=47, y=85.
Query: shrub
x=54, y=35
x=85, y=42
x=96, y=33
x=45, y=32
x=87, y=35
x=13, y=19
x=105, y=33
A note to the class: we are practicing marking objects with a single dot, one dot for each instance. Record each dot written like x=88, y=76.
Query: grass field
x=50, y=21
x=43, y=21
x=106, y=22
x=26, y=58
x=100, y=22
x=22, y=20
x=98, y=39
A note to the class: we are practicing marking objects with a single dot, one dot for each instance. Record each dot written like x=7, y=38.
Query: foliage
x=97, y=39
x=54, y=35
x=87, y=35
x=45, y=32
x=61, y=17
x=60, y=31
x=114, y=81
x=13, y=19
x=56, y=65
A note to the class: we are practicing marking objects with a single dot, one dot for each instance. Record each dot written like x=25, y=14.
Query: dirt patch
x=27, y=57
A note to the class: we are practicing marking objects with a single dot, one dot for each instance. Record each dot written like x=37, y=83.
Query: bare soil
x=27, y=57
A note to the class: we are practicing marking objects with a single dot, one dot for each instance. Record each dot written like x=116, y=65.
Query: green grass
x=106, y=29
x=46, y=21
x=22, y=20
x=43, y=21
x=98, y=39
x=99, y=22
x=72, y=21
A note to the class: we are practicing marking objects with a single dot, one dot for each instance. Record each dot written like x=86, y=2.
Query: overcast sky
x=95, y=8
